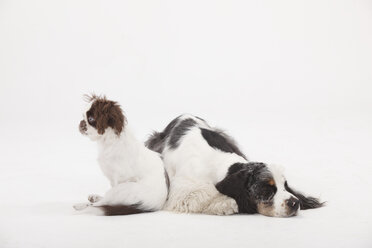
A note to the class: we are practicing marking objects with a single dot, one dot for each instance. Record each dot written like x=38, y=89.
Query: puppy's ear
x=102, y=123
x=306, y=202
x=104, y=109
x=116, y=118
x=234, y=185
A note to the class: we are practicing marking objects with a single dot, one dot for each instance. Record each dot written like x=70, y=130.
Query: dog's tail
x=156, y=142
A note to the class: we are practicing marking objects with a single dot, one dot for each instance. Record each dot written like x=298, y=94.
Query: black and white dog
x=209, y=174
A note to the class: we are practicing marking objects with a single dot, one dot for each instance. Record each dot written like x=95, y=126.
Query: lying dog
x=136, y=174
x=209, y=174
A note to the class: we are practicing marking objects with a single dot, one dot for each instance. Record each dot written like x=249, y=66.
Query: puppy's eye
x=91, y=120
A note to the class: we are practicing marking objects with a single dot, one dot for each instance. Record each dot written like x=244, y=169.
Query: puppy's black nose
x=83, y=126
x=293, y=203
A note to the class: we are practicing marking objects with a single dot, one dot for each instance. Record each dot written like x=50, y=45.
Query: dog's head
x=259, y=188
x=103, y=117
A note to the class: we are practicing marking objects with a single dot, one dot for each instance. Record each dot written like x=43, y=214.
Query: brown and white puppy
x=136, y=174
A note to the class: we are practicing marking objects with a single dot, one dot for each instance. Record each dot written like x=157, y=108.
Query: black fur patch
x=179, y=131
x=305, y=202
x=199, y=118
x=241, y=183
x=156, y=141
x=221, y=141
x=167, y=182
x=122, y=209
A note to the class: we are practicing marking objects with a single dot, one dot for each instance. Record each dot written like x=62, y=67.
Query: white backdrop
x=290, y=80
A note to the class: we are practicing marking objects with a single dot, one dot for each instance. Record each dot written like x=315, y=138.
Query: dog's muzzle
x=83, y=127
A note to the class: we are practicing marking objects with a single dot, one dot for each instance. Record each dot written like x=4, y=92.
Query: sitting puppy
x=136, y=174
x=209, y=174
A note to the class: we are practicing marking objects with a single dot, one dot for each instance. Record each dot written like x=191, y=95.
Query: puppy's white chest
x=116, y=168
x=119, y=158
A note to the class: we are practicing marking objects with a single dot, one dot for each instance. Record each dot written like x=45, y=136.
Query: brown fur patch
x=271, y=182
x=265, y=209
x=91, y=97
x=106, y=114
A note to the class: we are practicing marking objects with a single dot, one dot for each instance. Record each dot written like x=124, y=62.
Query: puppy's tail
x=110, y=210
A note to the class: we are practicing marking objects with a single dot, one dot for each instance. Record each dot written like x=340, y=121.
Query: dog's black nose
x=293, y=203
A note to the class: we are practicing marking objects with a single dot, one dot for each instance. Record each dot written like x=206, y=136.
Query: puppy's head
x=259, y=188
x=103, y=117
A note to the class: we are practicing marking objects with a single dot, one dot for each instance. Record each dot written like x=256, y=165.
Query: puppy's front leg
x=94, y=198
x=91, y=198
x=81, y=206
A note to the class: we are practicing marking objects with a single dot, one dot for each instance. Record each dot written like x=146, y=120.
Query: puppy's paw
x=81, y=206
x=94, y=198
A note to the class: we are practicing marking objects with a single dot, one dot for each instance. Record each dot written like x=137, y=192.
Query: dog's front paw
x=80, y=206
x=192, y=202
x=94, y=198
x=222, y=205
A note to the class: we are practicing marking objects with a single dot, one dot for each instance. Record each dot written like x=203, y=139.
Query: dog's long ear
x=234, y=185
x=306, y=202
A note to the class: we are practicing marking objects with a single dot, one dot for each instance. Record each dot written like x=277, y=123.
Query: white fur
x=281, y=195
x=136, y=173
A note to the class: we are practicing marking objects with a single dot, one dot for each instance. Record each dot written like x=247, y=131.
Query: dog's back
x=188, y=141
x=179, y=127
